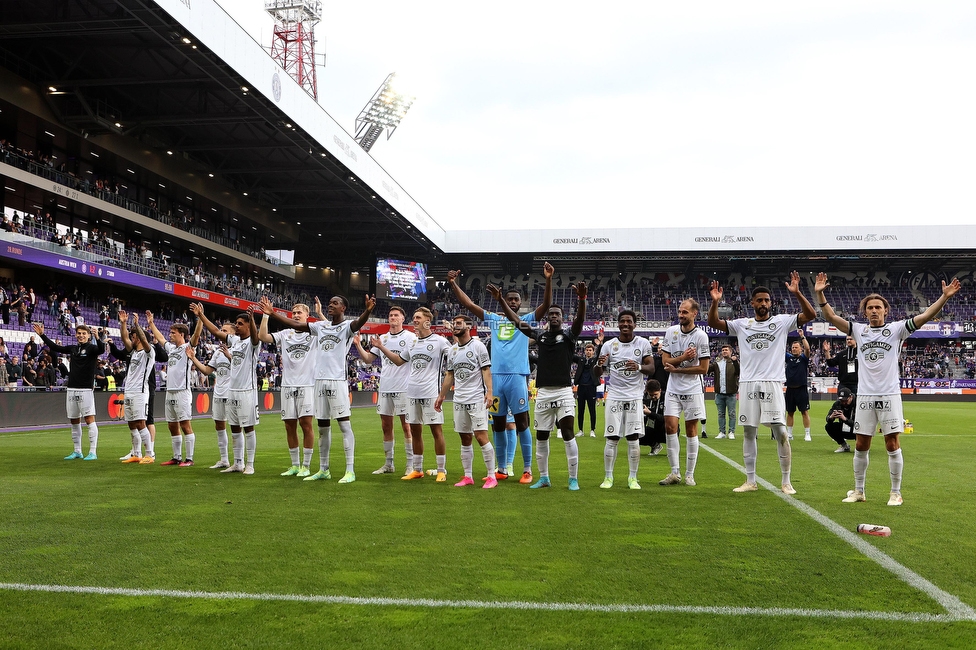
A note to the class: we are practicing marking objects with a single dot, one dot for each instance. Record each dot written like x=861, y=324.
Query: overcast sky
x=537, y=114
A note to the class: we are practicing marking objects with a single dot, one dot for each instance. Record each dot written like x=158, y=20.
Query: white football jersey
x=141, y=363
x=878, y=349
x=762, y=346
x=675, y=343
x=297, y=351
x=394, y=378
x=333, y=343
x=426, y=359
x=178, y=367
x=466, y=362
x=243, y=362
x=221, y=365
x=627, y=384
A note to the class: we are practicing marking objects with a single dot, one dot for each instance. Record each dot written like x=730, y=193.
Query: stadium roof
x=183, y=76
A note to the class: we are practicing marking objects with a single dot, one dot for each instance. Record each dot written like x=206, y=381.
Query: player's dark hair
x=345, y=303
x=515, y=291
x=399, y=309
x=467, y=319
x=182, y=329
x=243, y=315
x=79, y=327
x=627, y=312
x=762, y=289
x=652, y=386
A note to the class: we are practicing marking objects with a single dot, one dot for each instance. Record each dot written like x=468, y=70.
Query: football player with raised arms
x=762, y=348
x=297, y=350
x=878, y=389
x=333, y=338
x=179, y=383
x=510, y=370
x=394, y=377
x=554, y=403
x=142, y=361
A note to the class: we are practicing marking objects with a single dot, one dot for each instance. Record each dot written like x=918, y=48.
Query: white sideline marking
x=957, y=609
x=492, y=604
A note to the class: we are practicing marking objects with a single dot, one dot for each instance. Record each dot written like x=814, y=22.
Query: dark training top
x=84, y=361
x=556, y=351
x=796, y=370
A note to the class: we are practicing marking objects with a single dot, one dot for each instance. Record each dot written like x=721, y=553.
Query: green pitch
x=694, y=567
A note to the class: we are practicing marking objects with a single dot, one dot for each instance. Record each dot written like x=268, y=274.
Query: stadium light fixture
x=383, y=112
x=187, y=40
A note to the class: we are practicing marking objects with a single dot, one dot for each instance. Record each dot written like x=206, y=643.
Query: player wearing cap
x=878, y=390
x=685, y=354
x=762, y=348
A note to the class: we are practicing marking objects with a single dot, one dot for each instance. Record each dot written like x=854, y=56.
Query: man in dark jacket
x=846, y=364
x=725, y=373
x=654, y=433
x=586, y=382
x=840, y=419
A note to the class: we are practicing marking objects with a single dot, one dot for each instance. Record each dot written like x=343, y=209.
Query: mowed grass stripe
x=486, y=604
x=957, y=609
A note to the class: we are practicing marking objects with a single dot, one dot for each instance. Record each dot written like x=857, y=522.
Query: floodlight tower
x=293, y=43
x=383, y=111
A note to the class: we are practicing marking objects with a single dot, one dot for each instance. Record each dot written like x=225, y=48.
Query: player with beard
x=554, y=380
x=762, y=348
x=878, y=390
x=627, y=359
x=469, y=371
x=685, y=355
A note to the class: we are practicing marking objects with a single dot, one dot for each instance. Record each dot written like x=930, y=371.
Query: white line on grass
x=491, y=604
x=957, y=609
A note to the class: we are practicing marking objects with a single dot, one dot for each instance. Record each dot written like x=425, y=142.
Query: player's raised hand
x=375, y=342
x=716, y=291
x=266, y=306
x=793, y=286
x=949, y=290
x=580, y=289
x=547, y=270
x=603, y=359
x=123, y=317
x=599, y=338
x=495, y=292
x=821, y=284
x=39, y=327
x=224, y=349
x=149, y=317
x=135, y=319
x=317, y=304
x=370, y=302
x=453, y=275
x=250, y=310
x=196, y=309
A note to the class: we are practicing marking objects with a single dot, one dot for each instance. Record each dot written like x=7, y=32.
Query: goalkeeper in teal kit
x=509, y=372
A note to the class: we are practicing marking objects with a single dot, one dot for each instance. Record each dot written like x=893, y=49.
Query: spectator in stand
x=4, y=352
x=4, y=377
x=14, y=373
x=46, y=376
x=20, y=304
x=30, y=349
x=4, y=306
